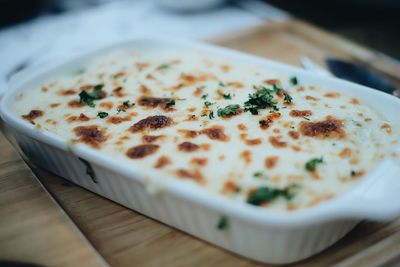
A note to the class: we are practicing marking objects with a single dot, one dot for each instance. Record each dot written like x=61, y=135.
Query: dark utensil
x=359, y=74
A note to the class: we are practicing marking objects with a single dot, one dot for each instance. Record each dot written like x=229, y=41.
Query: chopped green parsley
x=163, y=67
x=287, y=98
x=261, y=99
x=170, y=103
x=265, y=194
x=208, y=104
x=204, y=97
x=223, y=223
x=293, y=80
x=88, y=98
x=228, y=111
x=261, y=175
x=311, y=165
x=102, y=115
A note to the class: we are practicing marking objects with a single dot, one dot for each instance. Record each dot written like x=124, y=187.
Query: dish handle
x=378, y=199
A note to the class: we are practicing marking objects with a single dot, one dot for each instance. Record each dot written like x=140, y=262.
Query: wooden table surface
x=126, y=238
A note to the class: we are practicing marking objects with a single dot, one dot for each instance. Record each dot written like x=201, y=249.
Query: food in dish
x=235, y=129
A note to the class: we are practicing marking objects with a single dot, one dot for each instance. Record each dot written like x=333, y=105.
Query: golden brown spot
x=296, y=148
x=192, y=109
x=300, y=113
x=189, y=79
x=67, y=92
x=188, y=147
x=118, y=92
x=54, y=105
x=300, y=89
x=205, y=147
x=332, y=95
x=162, y=162
x=45, y=89
x=153, y=102
x=253, y=142
x=318, y=199
x=328, y=128
x=225, y=68
x=198, y=91
x=215, y=133
x=191, y=117
x=90, y=135
x=270, y=162
x=276, y=142
x=276, y=130
x=230, y=187
x=107, y=105
x=142, y=65
x=199, y=161
x=188, y=133
x=141, y=151
x=235, y=84
x=246, y=156
x=118, y=119
x=292, y=207
x=192, y=175
x=308, y=97
x=52, y=122
x=149, y=77
x=345, y=153
x=152, y=123
x=81, y=117
x=266, y=123
x=272, y=82
x=145, y=90
x=242, y=127
x=221, y=157
x=151, y=138
x=32, y=115
x=294, y=134
x=76, y=104
x=367, y=119
x=119, y=74
x=387, y=128
x=357, y=174
x=354, y=101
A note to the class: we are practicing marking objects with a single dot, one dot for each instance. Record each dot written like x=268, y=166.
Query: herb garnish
x=353, y=173
x=307, y=119
x=223, y=223
x=88, y=98
x=225, y=96
x=125, y=105
x=98, y=87
x=208, y=103
x=89, y=170
x=170, y=103
x=261, y=175
x=228, y=111
x=311, y=165
x=204, y=97
x=211, y=115
x=221, y=84
x=287, y=98
x=163, y=67
x=266, y=194
x=293, y=80
x=261, y=99
x=102, y=115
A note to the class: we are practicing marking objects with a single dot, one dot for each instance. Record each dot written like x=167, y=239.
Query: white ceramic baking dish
x=254, y=232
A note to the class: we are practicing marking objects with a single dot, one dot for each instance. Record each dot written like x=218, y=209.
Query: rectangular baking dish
x=253, y=232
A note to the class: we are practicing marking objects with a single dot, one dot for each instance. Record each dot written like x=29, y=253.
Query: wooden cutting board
x=127, y=238
x=33, y=228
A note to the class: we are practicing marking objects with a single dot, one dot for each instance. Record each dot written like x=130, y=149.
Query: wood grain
x=33, y=228
x=127, y=238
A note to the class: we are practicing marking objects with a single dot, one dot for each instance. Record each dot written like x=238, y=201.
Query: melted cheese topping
x=183, y=114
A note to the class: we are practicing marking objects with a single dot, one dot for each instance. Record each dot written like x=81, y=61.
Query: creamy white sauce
x=368, y=142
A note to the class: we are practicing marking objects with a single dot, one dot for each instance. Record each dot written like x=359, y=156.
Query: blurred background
x=50, y=28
